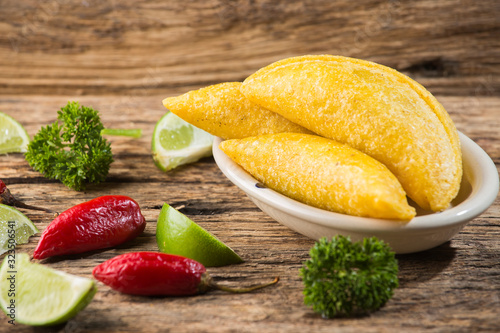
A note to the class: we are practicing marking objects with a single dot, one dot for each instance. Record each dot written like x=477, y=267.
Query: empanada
x=322, y=173
x=222, y=110
x=374, y=109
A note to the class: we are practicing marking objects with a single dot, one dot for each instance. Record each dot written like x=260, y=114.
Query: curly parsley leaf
x=343, y=278
x=72, y=149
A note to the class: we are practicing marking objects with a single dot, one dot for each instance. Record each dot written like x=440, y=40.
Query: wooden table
x=124, y=57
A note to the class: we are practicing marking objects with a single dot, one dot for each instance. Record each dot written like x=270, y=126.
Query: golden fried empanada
x=322, y=173
x=222, y=110
x=373, y=108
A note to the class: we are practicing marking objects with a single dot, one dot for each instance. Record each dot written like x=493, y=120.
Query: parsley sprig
x=72, y=149
x=343, y=278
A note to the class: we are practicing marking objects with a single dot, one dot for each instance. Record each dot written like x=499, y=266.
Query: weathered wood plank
x=453, y=287
x=148, y=47
x=124, y=57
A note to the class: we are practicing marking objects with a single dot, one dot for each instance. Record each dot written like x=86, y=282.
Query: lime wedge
x=37, y=295
x=176, y=142
x=15, y=228
x=177, y=234
x=13, y=136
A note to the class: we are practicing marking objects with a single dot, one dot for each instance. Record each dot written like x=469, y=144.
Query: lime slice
x=176, y=142
x=37, y=295
x=13, y=136
x=15, y=228
x=177, y=234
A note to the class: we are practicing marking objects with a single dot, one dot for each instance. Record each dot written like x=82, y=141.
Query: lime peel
x=15, y=228
x=177, y=234
x=37, y=295
x=13, y=136
x=176, y=142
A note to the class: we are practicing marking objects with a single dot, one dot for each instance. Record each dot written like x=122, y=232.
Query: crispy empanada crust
x=322, y=173
x=373, y=108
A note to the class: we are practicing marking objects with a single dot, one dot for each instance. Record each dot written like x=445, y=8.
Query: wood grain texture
x=148, y=47
x=123, y=57
x=453, y=287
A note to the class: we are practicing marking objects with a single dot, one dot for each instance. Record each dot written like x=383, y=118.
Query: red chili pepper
x=7, y=198
x=3, y=187
x=159, y=274
x=96, y=224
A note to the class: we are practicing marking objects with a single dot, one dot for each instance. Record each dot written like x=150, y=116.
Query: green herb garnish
x=343, y=278
x=72, y=149
x=133, y=133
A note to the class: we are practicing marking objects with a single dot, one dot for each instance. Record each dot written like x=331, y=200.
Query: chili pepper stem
x=21, y=204
x=8, y=199
x=207, y=283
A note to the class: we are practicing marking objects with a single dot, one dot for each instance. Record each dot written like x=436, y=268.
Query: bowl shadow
x=415, y=268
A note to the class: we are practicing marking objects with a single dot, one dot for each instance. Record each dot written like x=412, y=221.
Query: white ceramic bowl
x=479, y=189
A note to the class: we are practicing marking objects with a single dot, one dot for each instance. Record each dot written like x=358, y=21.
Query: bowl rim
x=478, y=168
